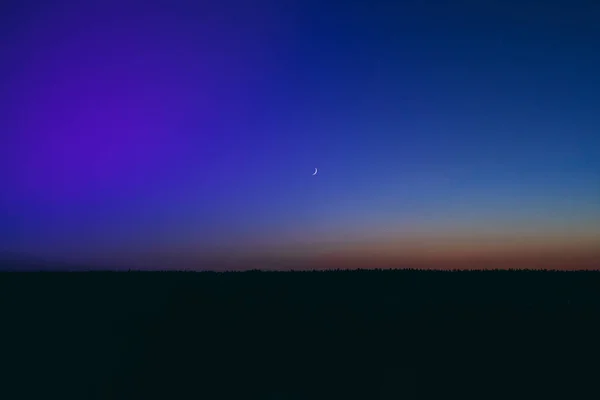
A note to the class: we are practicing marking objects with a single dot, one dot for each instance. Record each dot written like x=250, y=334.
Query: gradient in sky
x=169, y=132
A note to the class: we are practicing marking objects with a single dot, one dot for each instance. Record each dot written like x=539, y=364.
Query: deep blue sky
x=189, y=127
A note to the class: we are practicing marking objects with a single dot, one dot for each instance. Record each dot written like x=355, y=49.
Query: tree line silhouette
x=364, y=334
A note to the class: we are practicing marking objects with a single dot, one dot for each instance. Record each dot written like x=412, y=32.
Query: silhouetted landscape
x=407, y=192
x=363, y=334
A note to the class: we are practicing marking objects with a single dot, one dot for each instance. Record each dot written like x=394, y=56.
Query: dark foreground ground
x=300, y=335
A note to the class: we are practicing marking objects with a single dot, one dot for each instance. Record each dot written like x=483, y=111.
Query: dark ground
x=300, y=335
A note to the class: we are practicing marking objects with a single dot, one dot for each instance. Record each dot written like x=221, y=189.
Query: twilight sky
x=177, y=133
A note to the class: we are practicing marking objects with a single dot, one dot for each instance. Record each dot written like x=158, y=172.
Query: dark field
x=300, y=335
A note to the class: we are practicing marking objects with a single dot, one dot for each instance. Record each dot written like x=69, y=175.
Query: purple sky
x=191, y=127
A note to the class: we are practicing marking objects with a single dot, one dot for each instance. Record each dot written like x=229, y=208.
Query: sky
x=185, y=134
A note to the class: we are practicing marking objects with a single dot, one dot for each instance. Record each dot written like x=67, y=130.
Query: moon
x=316, y=170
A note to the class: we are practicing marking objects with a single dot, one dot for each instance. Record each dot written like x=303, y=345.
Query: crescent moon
x=316, y=170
